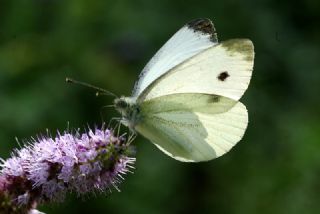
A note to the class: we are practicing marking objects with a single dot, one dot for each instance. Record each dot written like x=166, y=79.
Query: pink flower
x=48, y=168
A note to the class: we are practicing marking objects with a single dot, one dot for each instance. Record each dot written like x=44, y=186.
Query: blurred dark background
x=274, y=169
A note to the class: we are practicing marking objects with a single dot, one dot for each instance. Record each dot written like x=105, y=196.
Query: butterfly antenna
x=103, y=91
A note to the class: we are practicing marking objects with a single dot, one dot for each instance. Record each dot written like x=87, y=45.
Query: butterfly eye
x=120, y=103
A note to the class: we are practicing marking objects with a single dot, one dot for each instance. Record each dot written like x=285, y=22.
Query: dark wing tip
x=204, y=26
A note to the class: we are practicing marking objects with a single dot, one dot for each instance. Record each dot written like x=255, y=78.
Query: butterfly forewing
x=224, y=69
x=190, y=40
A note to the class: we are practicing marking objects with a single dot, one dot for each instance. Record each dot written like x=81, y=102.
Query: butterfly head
x=129, y=110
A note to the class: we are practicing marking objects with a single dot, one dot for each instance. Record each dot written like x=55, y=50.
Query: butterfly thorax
x=129, y=110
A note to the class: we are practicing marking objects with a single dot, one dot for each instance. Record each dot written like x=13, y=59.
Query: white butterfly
x=186, y=98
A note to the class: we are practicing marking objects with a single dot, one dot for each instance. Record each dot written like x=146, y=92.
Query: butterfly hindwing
x=193, y=127
x=191, y=39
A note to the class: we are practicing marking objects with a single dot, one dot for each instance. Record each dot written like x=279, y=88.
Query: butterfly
x=186, y=100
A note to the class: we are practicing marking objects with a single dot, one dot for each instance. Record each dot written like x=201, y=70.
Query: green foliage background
x=274, y=169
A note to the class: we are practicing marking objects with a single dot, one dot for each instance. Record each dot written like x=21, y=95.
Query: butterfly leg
x=114, y=119
x=132, y=136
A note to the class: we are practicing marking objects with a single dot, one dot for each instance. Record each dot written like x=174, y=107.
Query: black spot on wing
x=214, y=99
x=223, y=76
x=204, y=26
